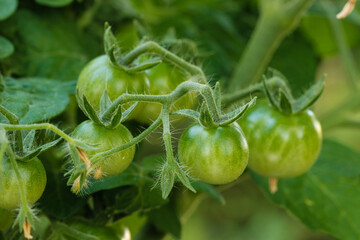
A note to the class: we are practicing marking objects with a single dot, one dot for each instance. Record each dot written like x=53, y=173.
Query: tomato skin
x=34, y=177
x=164, y=78
x=214, y=155
x=100, y=75
x=92, y=133
x=281, y=145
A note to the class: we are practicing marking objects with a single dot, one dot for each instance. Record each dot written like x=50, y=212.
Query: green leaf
x=58, y=201
x=54, y=3
x=209, y=189
x=6, y=48
x=165, y=219
x=129, y=177
x=7, y=8
x=327, y=197
x=36, y=99
x=47, y=45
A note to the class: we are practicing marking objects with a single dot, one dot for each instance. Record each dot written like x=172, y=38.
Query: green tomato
x=214, y=155
x=164, y=78
x=281, y=145
x=33, y=176
x=106, y=139
x=100, y=75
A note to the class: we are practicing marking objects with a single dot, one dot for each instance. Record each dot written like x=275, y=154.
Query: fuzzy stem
x=153, y=47
x=13, y=120
x=15, y=166
x=167, y=135
x=230, y=98
x=38, y=126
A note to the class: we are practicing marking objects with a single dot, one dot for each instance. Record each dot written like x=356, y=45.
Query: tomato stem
x=230, y=98
x=153, y=47
x=277, y=20
x=38, y=126
x=12, y=118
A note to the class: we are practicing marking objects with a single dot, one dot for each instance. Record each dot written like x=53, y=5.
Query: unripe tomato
x=106, y=139
x=281, y=145
x=100, y=75
x=32, y=174
x=164, y=78
x=214, y=155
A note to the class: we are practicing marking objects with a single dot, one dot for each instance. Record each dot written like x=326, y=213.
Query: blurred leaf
x=57, y=200
x=36, y=99
x=327, y=197
x=297, y=61
x=6, y=48
x=166, y=220
x=54, y=3
x=208, y=189
x=317, y=28
x=123, y=179
x=7, y=8
x=47, y=45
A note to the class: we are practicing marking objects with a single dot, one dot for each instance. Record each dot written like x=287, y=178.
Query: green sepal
x=25, y=212
x=29, y=140
x=310, y=96
x=111, y=45
x=269, y=95
x=105, y=102
x=79, y=166
x=189, y=113
x=144, y=66
x=127, y=113
x=217, y=95
x=236, y=114
x=90, y=112
x=183, y=177
x=285, y=104
x=167, y=179
x=205, y=118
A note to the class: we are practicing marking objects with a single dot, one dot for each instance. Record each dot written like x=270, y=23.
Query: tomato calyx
x=279, y=95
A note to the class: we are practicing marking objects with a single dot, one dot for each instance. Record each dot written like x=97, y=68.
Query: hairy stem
x=13, y=120
x=167, y=135
x=38, y=126
x=240, y=94
x=153, y=47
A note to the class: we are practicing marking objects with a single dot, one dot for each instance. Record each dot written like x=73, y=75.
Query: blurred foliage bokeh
x=55, y=39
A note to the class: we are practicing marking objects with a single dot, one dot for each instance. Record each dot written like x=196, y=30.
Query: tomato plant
x=89, y=88
x=32, y=174
x=106, y=139
x=281, y=145
x=214, y=155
